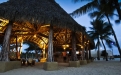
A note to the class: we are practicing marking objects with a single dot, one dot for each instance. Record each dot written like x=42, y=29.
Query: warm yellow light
x=4, y=20
x=20, y=39
x=65, y=46
x=3, y=23
x=45, y=25
x=35, y=36
x=81, y=46
x=42, y=45
x=42, y=42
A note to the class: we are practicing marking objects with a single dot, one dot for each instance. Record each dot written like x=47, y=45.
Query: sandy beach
x=93, y=68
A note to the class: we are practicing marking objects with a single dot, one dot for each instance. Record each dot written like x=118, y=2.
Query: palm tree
x=94, y=3
x=105, y=6
x=104, y=12
x=6, y=42
x=101, y=30
x=98, y=44
x=115, y=4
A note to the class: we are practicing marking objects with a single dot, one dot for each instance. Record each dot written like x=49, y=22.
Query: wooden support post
x=90, y=53
x=16, y=48
x=50, y=45
x=73, y=56
x=5, y=49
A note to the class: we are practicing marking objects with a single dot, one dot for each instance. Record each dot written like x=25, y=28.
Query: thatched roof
x=33, y=14
x=37, y=12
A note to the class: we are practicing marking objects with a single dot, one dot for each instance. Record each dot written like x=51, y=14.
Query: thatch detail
x=37, y=12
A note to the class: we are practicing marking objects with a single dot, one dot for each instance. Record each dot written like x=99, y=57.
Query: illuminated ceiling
x=38, y=33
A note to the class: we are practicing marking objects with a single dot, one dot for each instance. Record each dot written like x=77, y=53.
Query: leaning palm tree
x=101, y=31
x=104, y=12
x=106, y=8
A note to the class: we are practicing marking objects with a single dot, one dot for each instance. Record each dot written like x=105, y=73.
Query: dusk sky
x=84, y=20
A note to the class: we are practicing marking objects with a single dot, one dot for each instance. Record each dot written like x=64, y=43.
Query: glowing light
x=35, y=36
x=3, y=23
x=4, y=20
x=81, y=46
x=65, y=46
x=77, y=52
x=20, y=39
x=45, y=25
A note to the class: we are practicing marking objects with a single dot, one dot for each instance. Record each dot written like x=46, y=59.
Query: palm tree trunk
x=105, y=49
x=89, y=53
x=50, y=45
x=114, y=37
x=73, y=56
x=98, y=52
x=82, y=54
x=5, y=46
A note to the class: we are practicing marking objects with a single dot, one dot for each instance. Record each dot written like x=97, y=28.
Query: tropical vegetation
x=105, y=7
x=101, y=31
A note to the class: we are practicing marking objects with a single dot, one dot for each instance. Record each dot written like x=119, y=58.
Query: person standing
x=64, y=56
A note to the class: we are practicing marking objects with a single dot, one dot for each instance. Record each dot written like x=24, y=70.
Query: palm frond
x=110, y=43
x=96, y=14
x=117, y=21
x=84, y=9
x=93, y=14
x=100, y=28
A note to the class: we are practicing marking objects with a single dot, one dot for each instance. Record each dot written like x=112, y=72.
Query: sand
x=93, y=68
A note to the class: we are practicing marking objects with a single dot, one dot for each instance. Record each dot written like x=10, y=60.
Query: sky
x=69, y=6
x=84, y=20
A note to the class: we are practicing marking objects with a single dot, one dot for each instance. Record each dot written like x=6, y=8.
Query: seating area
x=28, y=62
